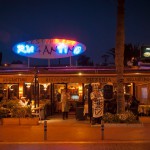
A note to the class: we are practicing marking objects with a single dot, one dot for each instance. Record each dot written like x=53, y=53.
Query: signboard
x=12, y=79
x=80, y=79
x=67, y=79
x=145, y=52
x=138, y=79
x=49, y=48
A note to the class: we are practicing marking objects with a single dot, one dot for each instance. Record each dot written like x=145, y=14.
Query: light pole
x=36, y=88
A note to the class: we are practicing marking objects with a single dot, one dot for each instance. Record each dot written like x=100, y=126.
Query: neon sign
x=49, y=48
x=148, y=48
x=62, y=48
x=22, y=48
x=146, y=54
x=77, y=50
x=145, y=51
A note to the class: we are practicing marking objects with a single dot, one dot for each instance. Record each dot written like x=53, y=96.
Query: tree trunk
x=119, y=58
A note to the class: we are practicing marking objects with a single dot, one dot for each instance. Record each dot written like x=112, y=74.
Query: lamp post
x=36, y=88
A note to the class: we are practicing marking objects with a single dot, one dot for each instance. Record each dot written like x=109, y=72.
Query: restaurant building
x=46, y=83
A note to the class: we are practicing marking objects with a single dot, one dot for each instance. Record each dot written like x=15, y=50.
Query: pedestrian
x=58, y=102
x=65, y=104
x=134, y=105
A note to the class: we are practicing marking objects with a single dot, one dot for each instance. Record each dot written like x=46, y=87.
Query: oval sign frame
x=49, y=48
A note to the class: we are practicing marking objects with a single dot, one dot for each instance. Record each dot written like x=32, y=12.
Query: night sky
x=91, y=22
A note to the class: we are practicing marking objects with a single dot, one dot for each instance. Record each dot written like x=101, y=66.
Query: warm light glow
x=80, y=88
x=45, y=85
x=20, y=90
x=109, y=83
x=145, y=51
x=146, y=54
x=5, y=65
x=64, y=41
x=148, y=48
x=10, y=87
x=80, y=91
x=28, y=85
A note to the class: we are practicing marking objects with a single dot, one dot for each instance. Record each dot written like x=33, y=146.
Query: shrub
x=10, y=104
x=4, y=112
x=12, y=108
x=127, y=117
x=21, y=112
x=108, y=117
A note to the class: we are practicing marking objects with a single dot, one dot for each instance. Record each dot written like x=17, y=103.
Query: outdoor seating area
x=144, y=110
x=22, y=109
x=37, y=112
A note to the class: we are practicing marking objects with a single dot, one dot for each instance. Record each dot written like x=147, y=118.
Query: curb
x=75, y=142
x=119, y=125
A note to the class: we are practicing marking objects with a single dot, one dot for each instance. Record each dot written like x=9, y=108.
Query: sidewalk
x=74, y=131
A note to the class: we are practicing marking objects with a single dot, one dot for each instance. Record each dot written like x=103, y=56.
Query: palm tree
x=111, y=52
x=83, y=60
x=119, y=57
x=130, y=51
x=105, y=59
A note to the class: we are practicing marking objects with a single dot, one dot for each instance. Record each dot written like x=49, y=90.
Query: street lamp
x=36, y=88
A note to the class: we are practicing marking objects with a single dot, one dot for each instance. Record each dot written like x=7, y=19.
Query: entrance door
x=58, y=87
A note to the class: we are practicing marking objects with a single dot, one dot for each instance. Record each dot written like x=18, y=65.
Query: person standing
x=58, y=102
x=65, y=104
x=134, y=105
x=97, y=105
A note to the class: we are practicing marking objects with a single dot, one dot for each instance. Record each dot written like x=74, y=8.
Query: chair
x=37, y=112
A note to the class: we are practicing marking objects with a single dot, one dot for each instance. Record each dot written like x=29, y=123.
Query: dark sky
x=91, y=22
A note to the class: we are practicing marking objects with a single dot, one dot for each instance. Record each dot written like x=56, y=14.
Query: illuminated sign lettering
x=49, y=48
x=138, y=79
x=146, y=54
x=145, y=51
x=21, y=48
x=99, y=79
x=14, y=80
x=62, y=48
x=77, y=50
x=148, y=48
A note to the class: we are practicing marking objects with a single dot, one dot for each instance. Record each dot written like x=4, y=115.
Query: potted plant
x=17, y=114
x=3, y=113
x=25, y=116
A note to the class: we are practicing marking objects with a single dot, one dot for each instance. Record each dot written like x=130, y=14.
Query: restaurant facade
x=39, y=84
x=45, y=83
